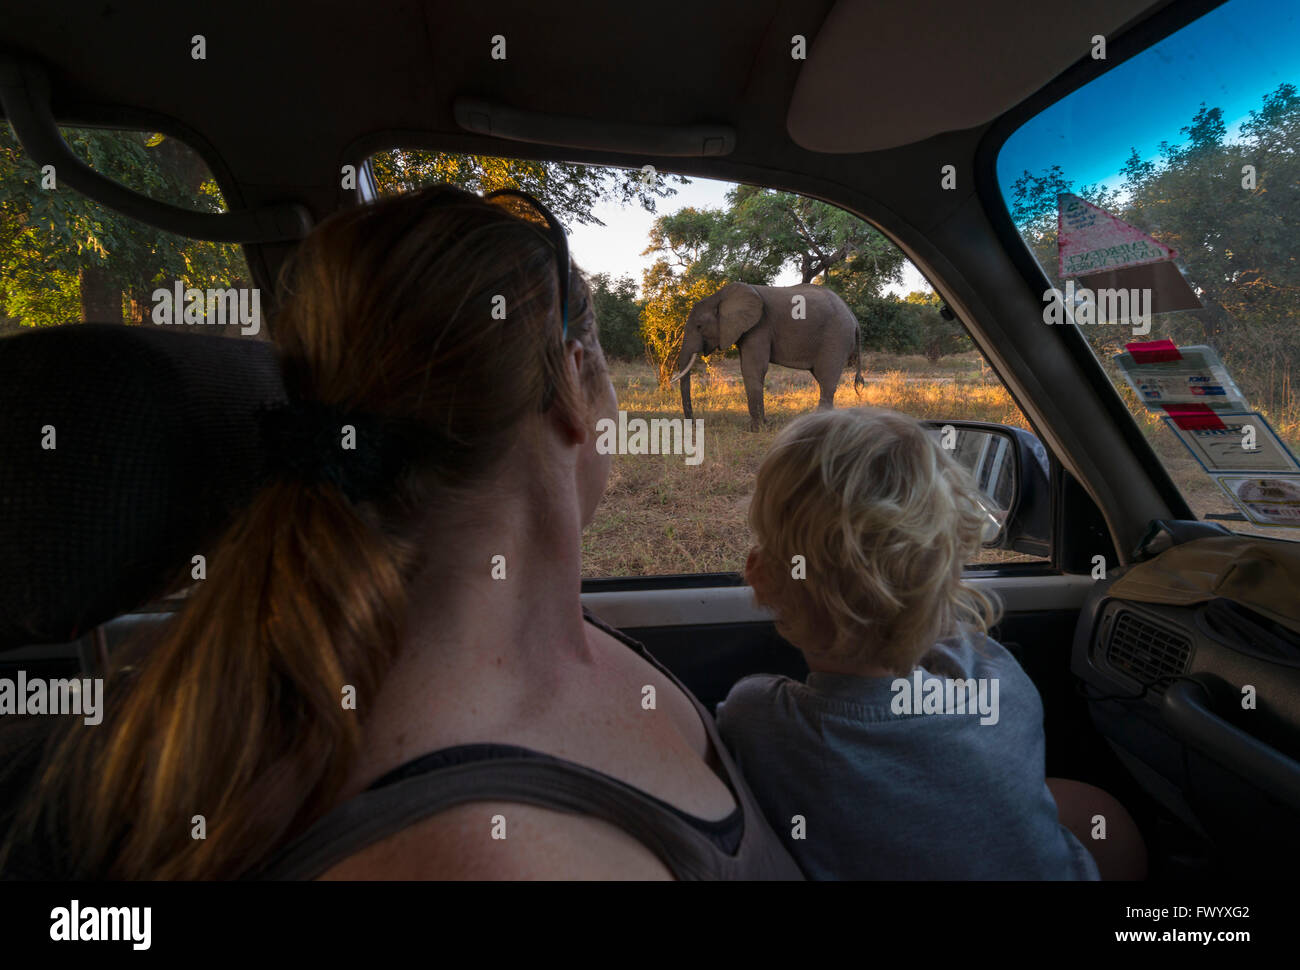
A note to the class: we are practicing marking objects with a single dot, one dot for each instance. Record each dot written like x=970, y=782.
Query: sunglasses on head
x=526, y=207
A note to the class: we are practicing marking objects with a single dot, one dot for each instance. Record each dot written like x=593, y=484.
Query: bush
x=618, y=316
x=668, y=302
x=908, y=327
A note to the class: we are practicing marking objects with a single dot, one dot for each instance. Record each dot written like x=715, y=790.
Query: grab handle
x=25, y=96
x=1187, y=709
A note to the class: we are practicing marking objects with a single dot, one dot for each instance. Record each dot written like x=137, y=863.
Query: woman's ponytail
x=240, y=727
x=242, y=720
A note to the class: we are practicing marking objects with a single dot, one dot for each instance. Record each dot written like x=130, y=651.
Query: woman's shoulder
x=635, y=645
x=503, y=841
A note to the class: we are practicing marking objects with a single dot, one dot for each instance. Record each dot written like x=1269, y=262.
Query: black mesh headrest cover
x=156, y=444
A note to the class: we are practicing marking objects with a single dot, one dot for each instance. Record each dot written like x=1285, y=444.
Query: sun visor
x=879, y=76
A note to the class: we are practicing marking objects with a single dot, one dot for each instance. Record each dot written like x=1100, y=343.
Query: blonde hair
x=885, y=521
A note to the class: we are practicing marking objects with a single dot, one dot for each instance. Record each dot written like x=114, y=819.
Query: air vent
x=1148, y=653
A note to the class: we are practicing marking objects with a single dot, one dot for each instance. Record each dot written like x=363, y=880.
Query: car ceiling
x=334, y=79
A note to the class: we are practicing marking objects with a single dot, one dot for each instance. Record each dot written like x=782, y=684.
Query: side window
x=654, y=246
x=66, y=259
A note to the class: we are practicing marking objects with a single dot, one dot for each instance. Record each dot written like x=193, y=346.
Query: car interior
x=1139, y=691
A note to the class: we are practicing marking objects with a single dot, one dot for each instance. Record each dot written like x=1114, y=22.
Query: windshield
x=1162, y=200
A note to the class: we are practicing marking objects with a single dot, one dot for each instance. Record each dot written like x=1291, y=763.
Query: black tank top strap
x=378, y=813
x=725, y=833
x=444, y=779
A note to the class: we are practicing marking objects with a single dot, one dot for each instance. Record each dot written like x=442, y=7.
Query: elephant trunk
x=685, y=361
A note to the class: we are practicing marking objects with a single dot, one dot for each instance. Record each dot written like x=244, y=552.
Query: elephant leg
x=753, y=368
x=828, y=380
x=754, y=394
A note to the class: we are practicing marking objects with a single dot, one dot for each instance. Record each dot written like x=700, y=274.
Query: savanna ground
x=660, y=515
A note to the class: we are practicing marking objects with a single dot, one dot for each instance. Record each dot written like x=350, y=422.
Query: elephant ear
x=739, y=309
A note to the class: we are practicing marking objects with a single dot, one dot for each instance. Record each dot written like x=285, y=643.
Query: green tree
x=912, y=325
x=935, y=337
x=1238, y=244
x=66, y=258
x=618, y=316
x=569, y=190
x=763, y=232
x=668, y=298
x=760, y=234
x=1034, y=206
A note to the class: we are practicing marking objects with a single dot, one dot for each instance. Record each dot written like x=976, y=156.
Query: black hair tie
x=304, y=441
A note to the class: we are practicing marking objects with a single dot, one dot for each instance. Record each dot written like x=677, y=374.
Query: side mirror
x=1012, y=471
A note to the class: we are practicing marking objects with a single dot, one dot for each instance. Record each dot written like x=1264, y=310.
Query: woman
x=387, y=672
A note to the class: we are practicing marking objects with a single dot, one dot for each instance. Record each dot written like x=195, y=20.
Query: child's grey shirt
x=888, y=794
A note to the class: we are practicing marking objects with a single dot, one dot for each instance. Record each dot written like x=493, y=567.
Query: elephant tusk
x=685, y=370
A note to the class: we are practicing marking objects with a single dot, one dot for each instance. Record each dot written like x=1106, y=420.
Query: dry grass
x=660, y=515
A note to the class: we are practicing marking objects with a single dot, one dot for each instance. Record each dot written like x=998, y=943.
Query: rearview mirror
x=1010, y=468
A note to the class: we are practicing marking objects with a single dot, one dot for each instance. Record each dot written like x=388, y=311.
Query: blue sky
x=616, y=248
x=1230, y=59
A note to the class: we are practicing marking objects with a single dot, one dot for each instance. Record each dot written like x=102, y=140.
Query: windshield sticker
x=1090, y=239
x=1153, y=351
x=1195, y=377
x=1244, y=442
x=1273, y=501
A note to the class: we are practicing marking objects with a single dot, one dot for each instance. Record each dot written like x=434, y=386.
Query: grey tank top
x=690, y=848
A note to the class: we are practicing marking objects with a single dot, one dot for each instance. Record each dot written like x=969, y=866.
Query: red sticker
x=1194, y=417
x=1091, y=240
x=1153, y=351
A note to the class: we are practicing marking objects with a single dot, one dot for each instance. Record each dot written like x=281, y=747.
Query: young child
x=915, y=749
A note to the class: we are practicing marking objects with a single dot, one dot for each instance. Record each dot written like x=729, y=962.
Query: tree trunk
x=184, y=163
x=9, y=324
x=141, y=311
x=101, y=300
x=1215, y=321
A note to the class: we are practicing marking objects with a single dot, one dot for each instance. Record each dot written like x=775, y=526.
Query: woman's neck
x=494, y=630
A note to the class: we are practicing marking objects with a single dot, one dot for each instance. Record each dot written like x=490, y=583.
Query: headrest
x=155, y=442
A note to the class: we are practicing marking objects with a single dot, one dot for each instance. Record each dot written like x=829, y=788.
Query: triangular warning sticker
x=1091, y=240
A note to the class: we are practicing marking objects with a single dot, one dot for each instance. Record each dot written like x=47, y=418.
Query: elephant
x=765, y=322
